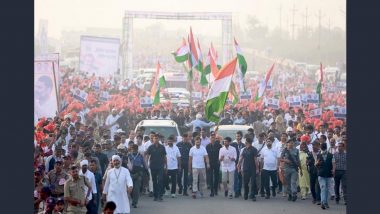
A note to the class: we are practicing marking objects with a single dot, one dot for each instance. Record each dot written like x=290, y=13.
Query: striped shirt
x=340, y=160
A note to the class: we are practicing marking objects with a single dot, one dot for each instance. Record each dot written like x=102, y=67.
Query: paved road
x=220, y=204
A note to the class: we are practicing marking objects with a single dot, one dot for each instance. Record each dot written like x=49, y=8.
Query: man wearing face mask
x=91, y=178
x=118, y=185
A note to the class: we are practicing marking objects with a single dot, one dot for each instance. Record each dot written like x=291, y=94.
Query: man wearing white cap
x=111, y=122
x=289, y=131
x=91, y=178
x=118, y=185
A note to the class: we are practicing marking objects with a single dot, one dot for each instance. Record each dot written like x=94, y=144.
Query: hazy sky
x=79, y=14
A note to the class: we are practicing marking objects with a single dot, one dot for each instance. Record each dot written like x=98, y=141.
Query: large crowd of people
x=90, y=157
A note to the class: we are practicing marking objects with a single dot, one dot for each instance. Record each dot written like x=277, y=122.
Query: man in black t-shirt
x=184, y=148
x=213, y=154
x=157, y=162
x=249, y=169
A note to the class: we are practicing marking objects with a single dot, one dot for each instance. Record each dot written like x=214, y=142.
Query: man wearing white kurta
x=118, y=185
x=111, y=122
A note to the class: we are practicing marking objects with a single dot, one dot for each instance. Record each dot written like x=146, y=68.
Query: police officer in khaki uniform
x=74, y=193
x=57, y=178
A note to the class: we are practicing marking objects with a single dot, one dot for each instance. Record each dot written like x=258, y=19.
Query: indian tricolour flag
x=182, y=54
x=203, y=79
x=193, y=57
x=214, y=70
x=263, y=84
x=159, y=82
x=211, y=54
x=241, y=59
x=218, y=93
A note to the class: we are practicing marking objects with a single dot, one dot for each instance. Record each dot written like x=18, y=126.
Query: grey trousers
x=291, y=177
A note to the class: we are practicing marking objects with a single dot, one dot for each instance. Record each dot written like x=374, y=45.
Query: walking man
x=213, y=154
x=174, y=164
x=118, y=185
x=227, y=157
x=184, y=148
x=238, y=144
x=156, y=154
x=326, y=170
x=198, y=161
x=269, y=158
x=290, y=156
x=340, y=172
x=249, y=169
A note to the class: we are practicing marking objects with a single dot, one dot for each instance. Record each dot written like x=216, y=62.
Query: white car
x=230, y=130
x=163, y=127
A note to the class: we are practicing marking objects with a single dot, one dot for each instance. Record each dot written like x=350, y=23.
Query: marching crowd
x=90, y=157
x=80, y=166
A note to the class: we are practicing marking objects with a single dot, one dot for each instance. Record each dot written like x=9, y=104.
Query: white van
x=163, y=127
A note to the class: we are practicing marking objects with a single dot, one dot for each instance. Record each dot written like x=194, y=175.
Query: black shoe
x=225, y=193
x=155, y=199
x=289, y=197
x=294, y=198
x=194, y=196
x=345, y=203
x=267, y=197
x=216, y=193
x=160, y=199
x=212, y=194
x=245, y=197
x=180, y=191
x=318, y=203
x=323, y=206
x=151, y=194
x=253, y=198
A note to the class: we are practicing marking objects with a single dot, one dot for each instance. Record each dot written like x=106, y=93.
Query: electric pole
x=293, y=25
x=280, y=20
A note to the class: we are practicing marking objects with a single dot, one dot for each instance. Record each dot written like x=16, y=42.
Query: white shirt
x=141, y=149
x=91, y=178
x=288, y=118
x=172, y=153
x=146, y=145
x=276, y=142
x=269, y=157
x=198, y=157
x=228, y=165
x=110, y=120
x=205, y=141
x=258, y=146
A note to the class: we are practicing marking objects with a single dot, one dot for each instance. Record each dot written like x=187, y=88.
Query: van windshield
x=165, y=131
